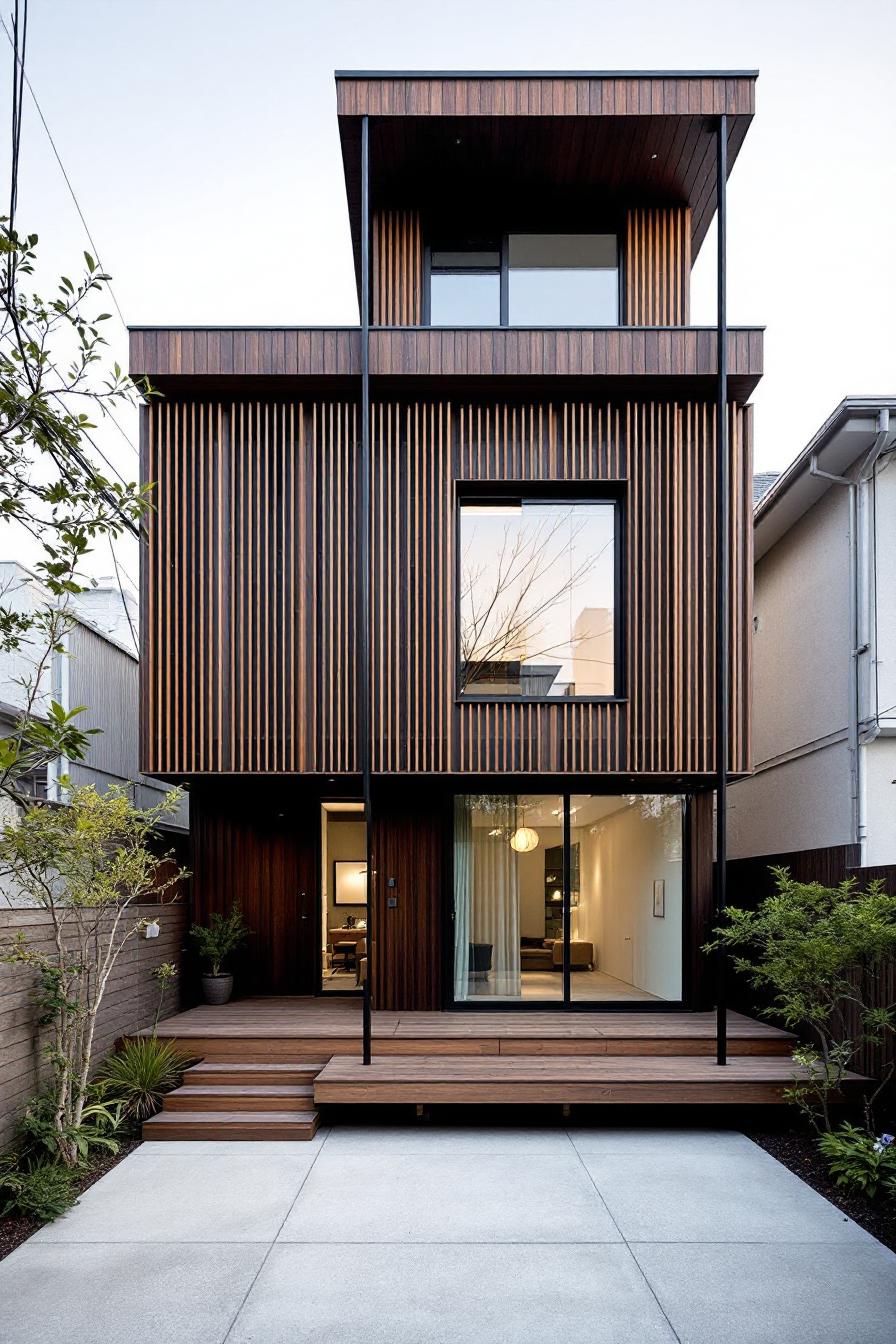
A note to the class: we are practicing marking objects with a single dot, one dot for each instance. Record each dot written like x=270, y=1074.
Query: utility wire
x=18, y=76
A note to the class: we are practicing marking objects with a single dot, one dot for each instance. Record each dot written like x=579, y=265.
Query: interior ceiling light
x=524, y=840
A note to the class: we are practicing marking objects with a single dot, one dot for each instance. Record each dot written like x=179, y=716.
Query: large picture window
x=537, y=598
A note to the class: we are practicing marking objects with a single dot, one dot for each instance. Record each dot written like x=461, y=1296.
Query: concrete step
x=231, y=1125
x=241, y=1096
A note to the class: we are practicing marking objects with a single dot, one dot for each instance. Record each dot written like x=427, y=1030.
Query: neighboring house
x=540, y=454
x=98, y=669
x=824, y=652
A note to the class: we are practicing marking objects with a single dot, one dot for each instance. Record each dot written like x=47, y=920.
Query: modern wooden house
x=437, y=625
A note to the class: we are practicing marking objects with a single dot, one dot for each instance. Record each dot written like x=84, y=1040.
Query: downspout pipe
x=853, y=484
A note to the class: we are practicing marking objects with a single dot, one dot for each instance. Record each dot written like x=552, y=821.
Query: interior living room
x=343, y=896
x=624, y=906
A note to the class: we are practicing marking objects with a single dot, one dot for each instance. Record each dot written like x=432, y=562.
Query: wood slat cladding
x=560, y=95
x=251, y=586
x=250, y=600
x=313, y=352
x=663, y=452
x=620, y=352
x=657, y=267
x=407, y=845
x=397, y=267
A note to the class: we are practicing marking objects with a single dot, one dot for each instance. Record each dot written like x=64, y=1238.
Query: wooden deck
x=319, y=1029
x=268, y=1063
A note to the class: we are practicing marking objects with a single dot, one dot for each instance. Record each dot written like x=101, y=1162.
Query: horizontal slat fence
x=128, y=1005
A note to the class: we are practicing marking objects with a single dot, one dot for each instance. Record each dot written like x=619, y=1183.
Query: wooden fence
x=129, y=1003
x=750, y=880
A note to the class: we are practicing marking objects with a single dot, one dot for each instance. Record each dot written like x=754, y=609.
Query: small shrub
x=41, y=1135
x=858, y=1161
x=41, y=1190
x=141, y=1072
x=220, y=937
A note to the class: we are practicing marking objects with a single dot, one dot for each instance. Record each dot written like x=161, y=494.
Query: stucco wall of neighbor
x=799, y=804
x=879, y=785
x=129, y=1002
x=801, y=641
x=800, y=692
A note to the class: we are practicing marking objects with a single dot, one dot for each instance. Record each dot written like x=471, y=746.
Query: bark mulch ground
x=15, y=1229
x=796, y=1149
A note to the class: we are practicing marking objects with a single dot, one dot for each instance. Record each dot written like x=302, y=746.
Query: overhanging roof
x=846, y=435
x=624, y=137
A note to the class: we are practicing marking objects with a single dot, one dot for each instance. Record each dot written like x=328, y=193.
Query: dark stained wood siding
x=250, y=606
x=544, y=96
x=626, y=352
x=657, y=267
x=407, y=844
x=272, y=351
x=397, y=269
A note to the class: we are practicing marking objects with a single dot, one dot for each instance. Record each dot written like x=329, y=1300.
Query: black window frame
x=502, y=246
x=560, y=492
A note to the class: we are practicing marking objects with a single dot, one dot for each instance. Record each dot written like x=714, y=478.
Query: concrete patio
x=443, y=1236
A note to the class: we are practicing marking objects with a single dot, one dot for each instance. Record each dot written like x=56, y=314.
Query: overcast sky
x=200, y=137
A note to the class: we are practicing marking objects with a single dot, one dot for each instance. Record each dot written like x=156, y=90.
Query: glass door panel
x=625, y=897
x=508, y=898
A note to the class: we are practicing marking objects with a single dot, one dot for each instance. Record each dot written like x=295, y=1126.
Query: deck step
x=234, y=1073
x=566, y=1079
x=231, y=1125
x=241, y=1096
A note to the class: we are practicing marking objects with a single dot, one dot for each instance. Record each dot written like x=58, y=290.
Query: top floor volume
x=502, y=199
x=569, y=206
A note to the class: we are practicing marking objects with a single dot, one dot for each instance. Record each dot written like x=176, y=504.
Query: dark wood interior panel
x=248, y=846
x=407, y=845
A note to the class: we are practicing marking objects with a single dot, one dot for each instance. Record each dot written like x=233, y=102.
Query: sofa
x=546, y=954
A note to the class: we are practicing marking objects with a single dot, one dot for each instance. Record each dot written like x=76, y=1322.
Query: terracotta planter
x=217, y=988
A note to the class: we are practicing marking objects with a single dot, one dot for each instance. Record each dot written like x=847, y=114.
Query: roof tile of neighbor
x=762, y=483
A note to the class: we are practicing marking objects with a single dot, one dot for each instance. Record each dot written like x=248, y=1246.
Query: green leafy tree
x=54, y=386
x=819, y=955
x=86, y=865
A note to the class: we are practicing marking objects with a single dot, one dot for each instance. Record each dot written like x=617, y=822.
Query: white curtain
x=463, y=896
x=496, y=901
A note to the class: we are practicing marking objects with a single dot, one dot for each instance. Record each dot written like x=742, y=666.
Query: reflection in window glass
x=563, y=279
x=537, y=598
x=465, y=289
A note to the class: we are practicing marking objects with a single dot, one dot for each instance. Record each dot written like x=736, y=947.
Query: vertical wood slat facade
x=252, y=603
x=397, y=269
x=657, y=266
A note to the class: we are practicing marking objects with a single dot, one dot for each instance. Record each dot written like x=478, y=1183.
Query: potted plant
x=214, y=943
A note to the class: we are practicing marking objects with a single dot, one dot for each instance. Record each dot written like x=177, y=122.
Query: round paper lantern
x=524, y=840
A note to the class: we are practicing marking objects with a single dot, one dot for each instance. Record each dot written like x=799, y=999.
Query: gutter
x=853, y=483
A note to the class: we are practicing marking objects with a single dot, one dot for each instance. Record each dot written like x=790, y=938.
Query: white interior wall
x=619, y=862
x=344, y=840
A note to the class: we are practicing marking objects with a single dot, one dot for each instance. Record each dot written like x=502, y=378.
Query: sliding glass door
x=567, y=899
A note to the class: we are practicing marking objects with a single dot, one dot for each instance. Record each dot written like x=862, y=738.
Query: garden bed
x=17, y=1228
x=796, y=1149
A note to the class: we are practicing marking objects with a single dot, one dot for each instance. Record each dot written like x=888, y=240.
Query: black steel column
x=364, y=563
x=722, y=574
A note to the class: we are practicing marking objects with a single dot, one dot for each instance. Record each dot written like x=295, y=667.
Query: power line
x=19, y=59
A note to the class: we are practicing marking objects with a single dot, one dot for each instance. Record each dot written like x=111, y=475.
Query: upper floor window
x=537, y=598
x=562, y=280
x=465, y=288
x=528, y=280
